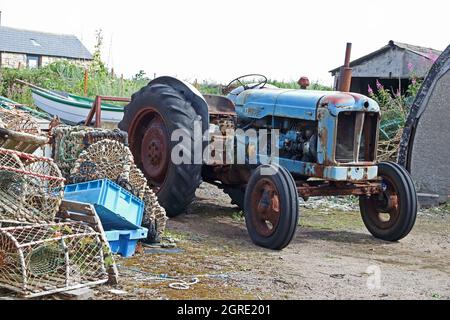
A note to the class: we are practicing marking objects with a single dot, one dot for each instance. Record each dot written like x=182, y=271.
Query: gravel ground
x=331, y=257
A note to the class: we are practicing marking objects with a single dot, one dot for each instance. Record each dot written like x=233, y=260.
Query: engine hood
x=302, y=104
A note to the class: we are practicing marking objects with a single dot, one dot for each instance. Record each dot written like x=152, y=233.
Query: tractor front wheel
x=271, y=207
x=391, y=215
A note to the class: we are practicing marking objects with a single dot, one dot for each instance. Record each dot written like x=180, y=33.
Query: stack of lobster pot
x=39, y=256
x=85, y=154
x=68, y=142
x=114, y=161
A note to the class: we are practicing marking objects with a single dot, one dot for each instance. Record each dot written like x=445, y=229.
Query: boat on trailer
x=73, y=109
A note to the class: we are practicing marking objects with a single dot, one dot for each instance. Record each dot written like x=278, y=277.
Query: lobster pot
x=31, y=187
x=19, y=121
x=43, y=259
x=19, y=131
x=69, y=142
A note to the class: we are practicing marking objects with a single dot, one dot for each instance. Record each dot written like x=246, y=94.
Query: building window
x=35, y=43
x=33, y=61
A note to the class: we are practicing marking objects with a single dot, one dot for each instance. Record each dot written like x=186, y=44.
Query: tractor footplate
x=328, y=188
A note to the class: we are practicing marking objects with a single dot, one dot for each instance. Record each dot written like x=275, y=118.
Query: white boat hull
x=72, y=114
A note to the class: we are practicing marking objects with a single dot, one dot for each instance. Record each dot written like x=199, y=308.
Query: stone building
x=32, y=49
x=392, y=65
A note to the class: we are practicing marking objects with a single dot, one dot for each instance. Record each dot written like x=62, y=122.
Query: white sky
x=219, y=40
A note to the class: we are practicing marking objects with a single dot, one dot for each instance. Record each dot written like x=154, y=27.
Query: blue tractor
x=317, y=143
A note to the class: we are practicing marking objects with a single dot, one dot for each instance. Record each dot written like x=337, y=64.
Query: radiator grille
x=356, y=137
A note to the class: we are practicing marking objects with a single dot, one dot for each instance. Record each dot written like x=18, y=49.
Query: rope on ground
x=178, y=283
x=183, y=285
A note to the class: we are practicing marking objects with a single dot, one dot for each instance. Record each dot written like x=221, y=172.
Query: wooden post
x=98, y=111
x=85, y=82
x=121, y=84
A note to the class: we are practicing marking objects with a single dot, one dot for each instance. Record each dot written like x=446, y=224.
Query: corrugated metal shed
x=41, y=43
x=424, y=147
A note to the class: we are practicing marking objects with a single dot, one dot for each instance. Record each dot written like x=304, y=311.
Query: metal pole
x=348, y=52
x=345, y=74
x=96, y=109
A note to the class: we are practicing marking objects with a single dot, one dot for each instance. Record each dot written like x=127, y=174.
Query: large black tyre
x=237, y=195
x=398, y=201
x=153, y=114
x=271, y=207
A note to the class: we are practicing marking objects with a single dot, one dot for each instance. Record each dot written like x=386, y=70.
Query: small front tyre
x=391, y=215
x=271, y=207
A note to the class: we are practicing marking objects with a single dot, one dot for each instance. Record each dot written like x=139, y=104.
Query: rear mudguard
x=191, y=93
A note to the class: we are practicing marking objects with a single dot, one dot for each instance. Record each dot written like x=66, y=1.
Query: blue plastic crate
x=117, y=208
x=124, y=242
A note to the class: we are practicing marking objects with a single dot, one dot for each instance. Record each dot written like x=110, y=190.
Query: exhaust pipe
x=345, y=73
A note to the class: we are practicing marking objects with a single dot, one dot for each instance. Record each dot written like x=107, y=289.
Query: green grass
x=330, y=220
x=69, y=77
x=237, y=216
x=177, y=236
x=65, y=76
x=293, y=85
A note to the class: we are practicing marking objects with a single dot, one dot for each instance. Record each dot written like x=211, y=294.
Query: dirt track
x=328, y=259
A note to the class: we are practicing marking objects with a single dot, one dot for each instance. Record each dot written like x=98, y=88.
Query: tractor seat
x=219, y=104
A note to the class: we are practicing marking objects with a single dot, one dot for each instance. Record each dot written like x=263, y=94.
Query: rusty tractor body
x=318, y=144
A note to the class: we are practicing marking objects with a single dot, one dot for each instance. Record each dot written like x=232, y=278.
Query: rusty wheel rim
x=155, y=149
x=265, y=207
x=384, y=208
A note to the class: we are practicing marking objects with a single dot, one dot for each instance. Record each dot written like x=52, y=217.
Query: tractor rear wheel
x=391, y=215
x=271, y=207
x=153, y=114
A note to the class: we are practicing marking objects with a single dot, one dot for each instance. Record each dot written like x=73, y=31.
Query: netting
x=19, y=131
x=137, y=181
x=8, y=104
x=43, y=259
x=31, y=187
x=19, y=121
x=69, y=142
x=114, y=161
x=104, y=159
x=154, y=212
x=388, y=149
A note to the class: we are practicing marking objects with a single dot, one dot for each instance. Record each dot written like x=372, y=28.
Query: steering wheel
x=263, y=82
